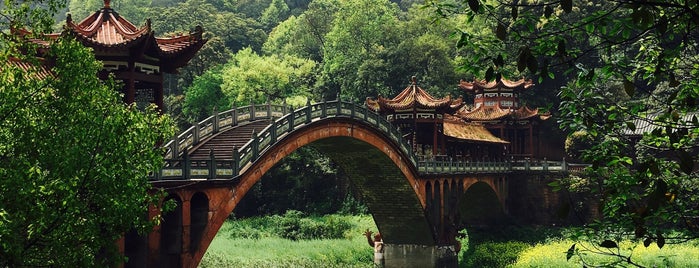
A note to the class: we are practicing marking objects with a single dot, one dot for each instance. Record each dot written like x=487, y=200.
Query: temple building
x=498, y=108
x=133, y=54
x=427, y=123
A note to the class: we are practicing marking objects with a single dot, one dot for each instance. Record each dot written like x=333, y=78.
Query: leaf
x=548, y=10
x=570, y=252
x=514, y=12
x=499, y=61
x=489, y=74
x=686, y=162
x=567, y=5
x=661, y=240
x=629, y=88
x=561, y=47
x=608, y=244
x=474, y=5
x=631, y=126
x=647, y=242
x=673, y=81
x=522, y=59
x=501, y=32
x=532, y=64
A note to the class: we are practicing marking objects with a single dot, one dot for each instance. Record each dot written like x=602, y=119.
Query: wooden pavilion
x=497, y=107
x=427, y=123
x=133, y=54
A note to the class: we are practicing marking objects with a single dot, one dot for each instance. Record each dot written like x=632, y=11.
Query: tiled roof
x=483, y=113
x=413, y=97
x=474, y=132
x=106, y=29
x=502, y=83
x=41, y=72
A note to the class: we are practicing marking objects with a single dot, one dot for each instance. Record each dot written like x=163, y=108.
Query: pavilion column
x=434, y=137
x=158, y=94
x=130, y=94
x=531, y=140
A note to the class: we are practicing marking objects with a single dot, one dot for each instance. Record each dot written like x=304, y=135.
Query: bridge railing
x=218, y=122
x=185, y=168
x=445, y=164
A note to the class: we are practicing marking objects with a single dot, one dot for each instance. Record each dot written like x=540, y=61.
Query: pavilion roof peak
x=414, y=97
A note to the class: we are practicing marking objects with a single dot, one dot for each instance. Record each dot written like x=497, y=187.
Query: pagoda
x=497, y=106
x=427, y=123
x=132, y=54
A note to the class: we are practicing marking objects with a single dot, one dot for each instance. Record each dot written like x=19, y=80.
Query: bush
x=294, y=226
x=494, y=254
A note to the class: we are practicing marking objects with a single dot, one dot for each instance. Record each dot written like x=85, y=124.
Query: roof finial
x=106, y=3
x=413, y=80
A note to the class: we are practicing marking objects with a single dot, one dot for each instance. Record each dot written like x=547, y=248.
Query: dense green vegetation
x=258, y=242
x=74, y=159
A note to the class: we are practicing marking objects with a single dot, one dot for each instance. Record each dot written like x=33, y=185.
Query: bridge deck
x=206, y=150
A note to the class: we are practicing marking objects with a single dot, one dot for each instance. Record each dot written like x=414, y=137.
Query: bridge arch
x=388, y=181
x=480, y=204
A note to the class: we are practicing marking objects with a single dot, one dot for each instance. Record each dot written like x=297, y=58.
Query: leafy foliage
x=633, y=67
x=74, y=163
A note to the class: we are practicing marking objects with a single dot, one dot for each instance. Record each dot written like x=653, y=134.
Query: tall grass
x=294, y=240
x=257, y=242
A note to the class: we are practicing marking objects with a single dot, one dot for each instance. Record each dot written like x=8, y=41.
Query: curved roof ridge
x=503, y=82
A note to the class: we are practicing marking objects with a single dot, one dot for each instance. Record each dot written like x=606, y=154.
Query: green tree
x=73, y=158
x=250, y=77
x=205, y=96
x=644, y=135
x=356, y=49
x=276, y=12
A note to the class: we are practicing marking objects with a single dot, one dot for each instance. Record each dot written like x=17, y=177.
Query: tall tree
x=645, y=135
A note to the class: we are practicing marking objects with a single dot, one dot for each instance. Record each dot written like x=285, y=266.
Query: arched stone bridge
x=417, y=204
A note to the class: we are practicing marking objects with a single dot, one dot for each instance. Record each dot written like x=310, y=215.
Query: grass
x=260, y=242
x=553, y=254
x=254, y=243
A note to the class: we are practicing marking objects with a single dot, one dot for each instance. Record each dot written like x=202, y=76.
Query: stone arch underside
x=385, y=177
x=480, y=206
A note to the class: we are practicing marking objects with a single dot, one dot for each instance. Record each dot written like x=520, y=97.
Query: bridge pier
x=397, y=255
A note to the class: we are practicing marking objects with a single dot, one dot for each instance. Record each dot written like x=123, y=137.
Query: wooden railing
x=184, y=168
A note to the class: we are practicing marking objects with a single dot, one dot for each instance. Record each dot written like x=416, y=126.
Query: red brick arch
x=327, y=134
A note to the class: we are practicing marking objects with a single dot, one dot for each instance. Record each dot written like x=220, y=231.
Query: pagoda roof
x=105, y=29
x=472, y=132
x=414, y=97
x=483, y=113
x=477, y=85
x=40, y=70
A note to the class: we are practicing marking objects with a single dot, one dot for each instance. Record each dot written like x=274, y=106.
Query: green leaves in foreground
x=74, y=163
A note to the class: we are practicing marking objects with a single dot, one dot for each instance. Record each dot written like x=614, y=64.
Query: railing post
x=255, y=144
x=323, y=109
x=212, y=164
x=564, y=165
x=236, y=161
x=365, y=110
x=353, y=106
x=273, y=132
x=234, y=115
x=284, y=106
x=291, y=120
x=175, y=147
x=186, y=166
x=339, y=105
x=252, y=110
x=527, y=164
x=269, y=108
x=196, y=134
x=546, y=165
x=308, y=111
x=215, y=120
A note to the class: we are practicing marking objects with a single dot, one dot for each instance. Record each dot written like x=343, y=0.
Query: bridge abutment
x=404, y=255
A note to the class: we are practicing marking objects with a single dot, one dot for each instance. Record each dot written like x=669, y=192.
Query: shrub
x=294, y=226
x=494, y=254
